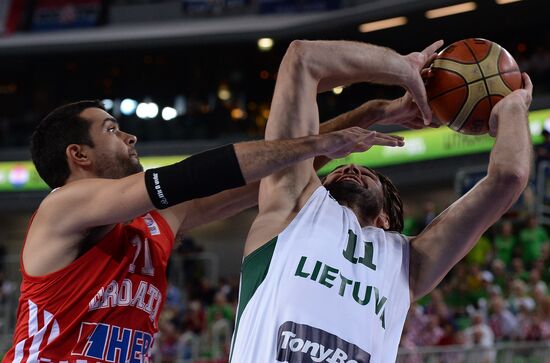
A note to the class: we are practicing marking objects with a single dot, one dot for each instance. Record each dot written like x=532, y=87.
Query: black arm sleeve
x=199, y=175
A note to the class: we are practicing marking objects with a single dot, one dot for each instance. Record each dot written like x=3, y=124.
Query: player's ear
x=382, y=221
x=77, y=154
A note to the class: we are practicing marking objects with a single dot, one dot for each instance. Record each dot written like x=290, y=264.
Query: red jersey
x=104, y=306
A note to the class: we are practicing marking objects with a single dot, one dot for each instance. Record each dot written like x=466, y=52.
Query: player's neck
x=364, y=221
x=80, y=175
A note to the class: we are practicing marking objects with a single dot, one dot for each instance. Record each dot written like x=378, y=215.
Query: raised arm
x=352, y=62
x=453, y=233
x=305, y=70
x=402, y=111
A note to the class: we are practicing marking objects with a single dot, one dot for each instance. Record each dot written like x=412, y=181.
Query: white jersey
x=324, y=290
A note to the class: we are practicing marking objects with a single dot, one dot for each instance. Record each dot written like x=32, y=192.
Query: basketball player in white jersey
x=327, y=276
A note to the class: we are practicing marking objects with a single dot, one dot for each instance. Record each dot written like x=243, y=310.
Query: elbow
x=513, y=179
x=297, y=55
x=298, y=50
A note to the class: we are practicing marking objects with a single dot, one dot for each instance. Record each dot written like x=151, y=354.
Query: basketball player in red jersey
x=96, y=251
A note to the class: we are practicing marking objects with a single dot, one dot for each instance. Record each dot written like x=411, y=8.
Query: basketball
x=469, y=77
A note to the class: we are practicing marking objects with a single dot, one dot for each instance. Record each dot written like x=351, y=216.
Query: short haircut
x=62, y=127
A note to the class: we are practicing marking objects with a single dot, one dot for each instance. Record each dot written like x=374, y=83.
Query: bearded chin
x=116, y=168
x=133, y=168
x=361, y=200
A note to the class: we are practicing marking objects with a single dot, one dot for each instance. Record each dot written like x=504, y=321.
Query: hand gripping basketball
x=468, y=78
x=519, y=98
x=415, y=85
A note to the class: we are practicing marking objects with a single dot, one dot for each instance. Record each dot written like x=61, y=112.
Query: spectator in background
x=174, y=298
x=458, y=295
x=188, y=345
x=415, y=322
x=529, y=326
x=518, y=269
x=519, y=298
x=195, y=317
x=220, y=318
x=480, y=335
x=475, y=283
x=531, y=239
x=543, y=318
x=437, y=305
x=482, y=252
x=449, y=330
x=500, y=275
x=503, y=323
x=167, y=344
x=431, y=332
x=220, y=309
x=536, y=283
x=505, y=241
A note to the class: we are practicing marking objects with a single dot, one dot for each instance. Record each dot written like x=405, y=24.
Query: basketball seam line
x=466, y=83
x=470, y=114
x=452, y=89
x=482, y=76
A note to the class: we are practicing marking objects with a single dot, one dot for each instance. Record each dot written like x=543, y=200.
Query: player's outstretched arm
x=352, y=62
x=453, y=233
x=402, y=111
x=294, y=114
x=102, y=202
x=98, y=202
x=293, y=118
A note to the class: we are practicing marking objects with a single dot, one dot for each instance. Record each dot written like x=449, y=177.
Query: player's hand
x=341, y=143
x=519, y=98
x=415, y=84
x=404, y=112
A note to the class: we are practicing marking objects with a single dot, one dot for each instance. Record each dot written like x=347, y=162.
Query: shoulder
x=389, y=235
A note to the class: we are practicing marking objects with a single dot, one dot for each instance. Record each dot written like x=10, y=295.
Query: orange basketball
x=469, y=78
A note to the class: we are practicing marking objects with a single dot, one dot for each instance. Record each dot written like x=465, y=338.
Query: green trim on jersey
x=253, y=272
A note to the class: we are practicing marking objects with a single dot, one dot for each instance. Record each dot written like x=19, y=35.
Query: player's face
x=113, y=155
x=358, y=188
x=354, y=174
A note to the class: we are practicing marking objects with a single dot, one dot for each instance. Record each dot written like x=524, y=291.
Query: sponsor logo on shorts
x=300, y=343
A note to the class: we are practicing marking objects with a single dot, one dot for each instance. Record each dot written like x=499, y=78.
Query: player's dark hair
x=393, y=205
x=60, y=128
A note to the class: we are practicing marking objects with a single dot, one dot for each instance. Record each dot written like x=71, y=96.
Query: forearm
x=511, y=156
x=366, y=115
x=455, y=232
x=258, y=159
x=335, y=63
x=216, y=207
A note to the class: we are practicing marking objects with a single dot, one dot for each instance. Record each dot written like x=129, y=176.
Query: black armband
x=199, y=175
